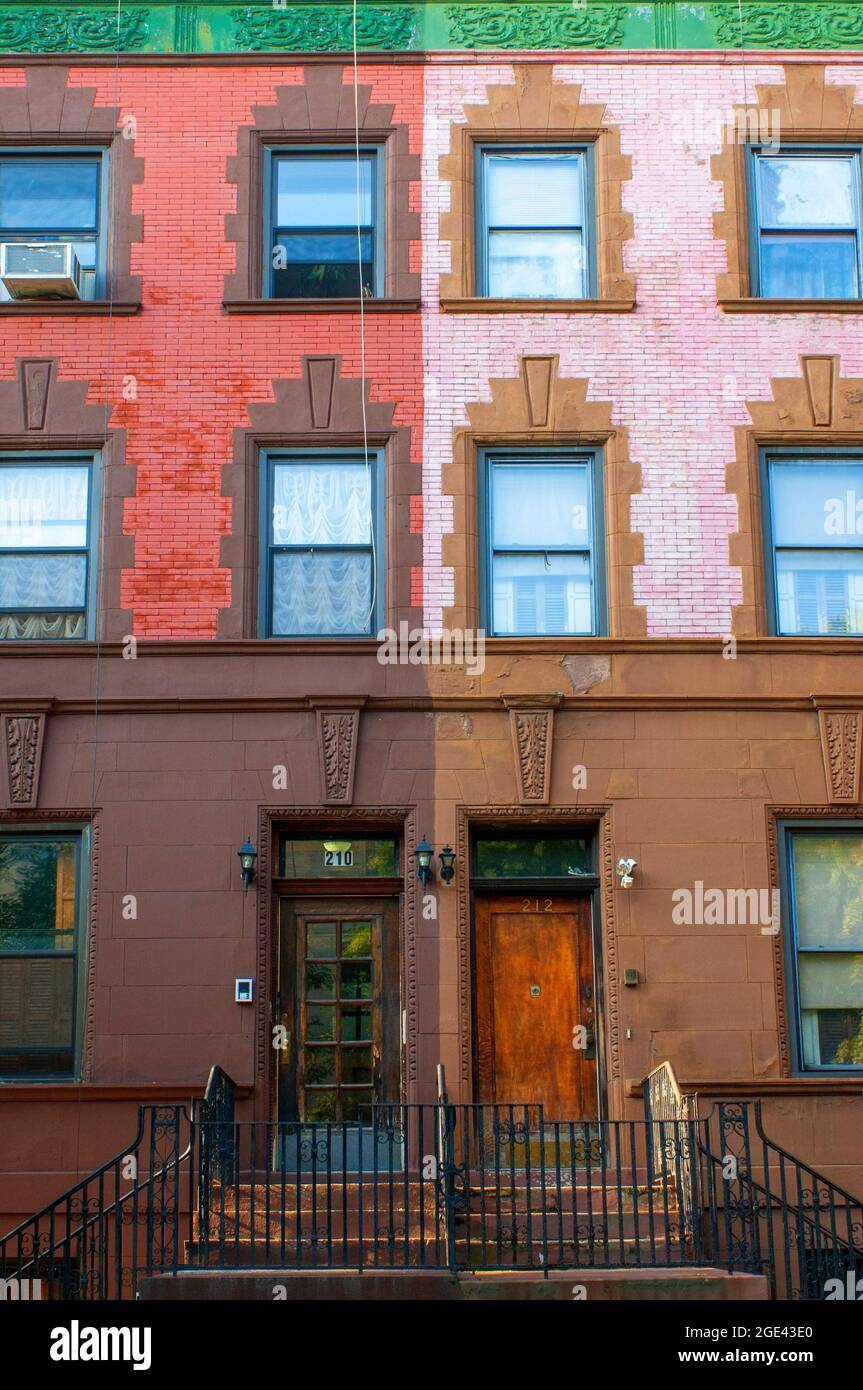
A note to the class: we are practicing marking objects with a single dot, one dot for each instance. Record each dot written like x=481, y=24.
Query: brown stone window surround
x=47, y=112
x=539, y=407
x=41, y=413
x=819, y=408
x=320, y=111
x=809, y=111
x=317, y=410
x=535, y=110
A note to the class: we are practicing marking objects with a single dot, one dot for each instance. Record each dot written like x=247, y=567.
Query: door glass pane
x=356, y=1023
x=813, y=267
x=49, y=195
x=321, y=942
x=356, y=981
x=322, y=192
x=817, y=505
x=541, y=504
x=828, y=890
x=535, y=190
x=322, y=504
x=320, y=1107
x=320, y=1065
x=820, y=593
x=338, y=856
x=536, y=265
x=807, y=191
x=321, y=595
x=542, y=594
x=321, y=1023
x=43, y=506
x=37, y=895
x=520, y=856
x=356, y=1105
x=320, y=981
x=357, y=1066
x=356, y=939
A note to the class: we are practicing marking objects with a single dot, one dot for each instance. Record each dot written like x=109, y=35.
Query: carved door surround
x=818, y=408
x=537, y=405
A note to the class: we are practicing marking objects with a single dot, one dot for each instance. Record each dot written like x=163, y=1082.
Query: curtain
x=43, y=506
x=321, y=595
x=321, y=504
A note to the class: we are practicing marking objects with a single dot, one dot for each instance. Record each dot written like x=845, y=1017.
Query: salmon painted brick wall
x=197, y=368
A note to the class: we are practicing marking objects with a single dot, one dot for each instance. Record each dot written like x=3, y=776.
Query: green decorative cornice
x=417, y=26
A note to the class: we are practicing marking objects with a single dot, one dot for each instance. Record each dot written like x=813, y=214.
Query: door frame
x=600, y=890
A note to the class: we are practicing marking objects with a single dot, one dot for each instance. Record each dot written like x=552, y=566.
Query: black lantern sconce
x=424, y=853
x=447, y=864
x=247, y=856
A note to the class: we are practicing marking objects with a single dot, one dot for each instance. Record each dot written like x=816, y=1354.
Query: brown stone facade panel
x=320, y=110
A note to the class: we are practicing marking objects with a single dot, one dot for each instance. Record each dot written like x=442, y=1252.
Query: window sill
x=70, y=308
x=791, y=306
x=481, y=305
x=320, y=306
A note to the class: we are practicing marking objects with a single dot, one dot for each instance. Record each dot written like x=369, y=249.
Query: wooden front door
x=534, y=987
x=338, y=1002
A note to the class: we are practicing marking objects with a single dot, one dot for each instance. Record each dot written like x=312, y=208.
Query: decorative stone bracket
x=23, y=736
x=532, y=727
x=338, y=728
x=841, y=751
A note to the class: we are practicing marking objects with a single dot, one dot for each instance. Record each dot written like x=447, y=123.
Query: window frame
x=484, y=148
x=790, y=949
x=80, y=834
x=274, y=152
x=268, y=458
x=758, y=151
x=592, y=456
x=72, y=458
x=805, y=455
x=100, y=155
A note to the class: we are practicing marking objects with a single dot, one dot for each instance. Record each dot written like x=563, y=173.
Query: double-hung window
x=808, y=223
x=324, y=224
x=322, y=559
x=543, y=570
x=47, y=525
x=825, y=948
x=534, y=223
x=815, y=542
x=56, y=198
x=40, y=951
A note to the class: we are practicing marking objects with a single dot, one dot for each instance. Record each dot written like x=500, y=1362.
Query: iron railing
x=441, y=1186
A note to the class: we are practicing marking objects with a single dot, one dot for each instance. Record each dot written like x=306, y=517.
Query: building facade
x=467, y=454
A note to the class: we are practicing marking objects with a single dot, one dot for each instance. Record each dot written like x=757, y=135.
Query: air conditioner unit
x=40, y=269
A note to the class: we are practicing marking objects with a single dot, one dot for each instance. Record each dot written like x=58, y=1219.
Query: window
x=348, y=854
x=56, y=198
x=322, y=561
x=542, y=577
x=826, y=881
x=324, y=225
x=46, y=521
x=815, y=542
x=40, y=913
x=533, y=216
x=808, y=212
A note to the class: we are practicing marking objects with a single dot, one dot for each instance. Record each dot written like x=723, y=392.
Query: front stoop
x=650, y=1285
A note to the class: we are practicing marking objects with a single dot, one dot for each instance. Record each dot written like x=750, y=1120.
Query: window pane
x=34, y=627
x=41, y=506
x=536, y=265
x=536, y=190
x=322, y=504
x=321, y=595
x=320, y=1065
x=321, y=943
x=541, y=504
x=828, y=890
x=357, y=1066
x=323, y=266
x=322, y=192
x=36, y=1004
x=806, y=191
x=832, y=1037
x=37, y=895
x=42, y=581
x=320, y=981
x=820, y=504
x=529, y=857
x=356, y=1023
x=331, y=856
x=356, y=1105
x=814, y=267
x=356, y=939
x=542, y=594
x=357, y=981
x=321, y=1023
x=820, y=593
x=49, y=194
x=831, y=1007
x=320, y=1107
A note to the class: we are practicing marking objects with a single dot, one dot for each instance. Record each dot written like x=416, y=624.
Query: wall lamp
x=447, y=864
x=624, y=872
x=424, y=854
x=247, y=856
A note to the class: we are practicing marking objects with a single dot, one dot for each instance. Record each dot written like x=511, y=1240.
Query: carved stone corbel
x=532, y=726
x=841, y=750
x=23, y=735
x=338, y=736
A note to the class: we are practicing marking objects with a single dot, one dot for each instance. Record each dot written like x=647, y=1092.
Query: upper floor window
x=826, y=949
x=324, y=225
x=40, y=914
x=46, y=526
x=534, y=240
x=808, y=223
x=322, y=560
x=543, y=575
x=52, y=225
x=815, y=543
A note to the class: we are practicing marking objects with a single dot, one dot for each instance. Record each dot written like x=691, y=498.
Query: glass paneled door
x=337, y=1006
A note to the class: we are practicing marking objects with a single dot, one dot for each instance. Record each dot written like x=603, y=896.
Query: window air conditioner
x=40, y=270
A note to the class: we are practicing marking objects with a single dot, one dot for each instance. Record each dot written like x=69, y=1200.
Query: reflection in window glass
x=535, y=224
x=809, y=225
x=44, y=549
x=324, y=233
x=52, y=198
x=827, y=884
x=818, y=544
x=530, y=856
